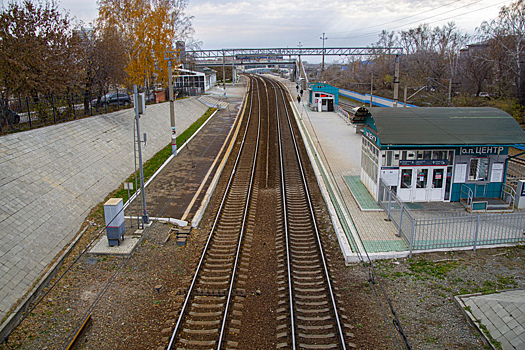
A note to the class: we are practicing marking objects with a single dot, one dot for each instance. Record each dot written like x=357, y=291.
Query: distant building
x=191, y=83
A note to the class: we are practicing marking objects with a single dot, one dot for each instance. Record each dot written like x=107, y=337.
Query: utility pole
x=396, y=81
x=371, y=88
x=145, y=217
x=323, y=38
x=300, y=65
x=449, y=92
x=172, y=110
x=223, y=72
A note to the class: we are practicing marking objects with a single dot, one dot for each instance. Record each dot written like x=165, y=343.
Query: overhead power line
x=424, y=19
x=404, y=18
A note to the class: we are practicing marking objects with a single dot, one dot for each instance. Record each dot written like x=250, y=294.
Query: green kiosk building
x=439, y=153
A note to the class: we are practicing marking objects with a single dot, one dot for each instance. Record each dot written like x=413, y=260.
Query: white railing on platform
x=343, y=114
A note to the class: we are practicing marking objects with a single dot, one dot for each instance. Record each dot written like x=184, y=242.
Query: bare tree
x=103, y=61
x=506, y=36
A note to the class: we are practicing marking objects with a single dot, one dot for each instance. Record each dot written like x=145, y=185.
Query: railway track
x=268, y=161
x=346, y=105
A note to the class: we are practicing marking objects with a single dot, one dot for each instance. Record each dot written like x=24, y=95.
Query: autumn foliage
x=148, y=28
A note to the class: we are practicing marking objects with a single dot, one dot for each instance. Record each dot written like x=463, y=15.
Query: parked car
x=113, y=99
x=484, y=94
x=7, y=116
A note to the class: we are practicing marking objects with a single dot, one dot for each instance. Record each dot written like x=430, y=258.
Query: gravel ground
x=132, y=314
x=133, y=302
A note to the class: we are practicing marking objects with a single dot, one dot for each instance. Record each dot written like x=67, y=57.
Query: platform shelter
x=322, y=97
x=439, y=153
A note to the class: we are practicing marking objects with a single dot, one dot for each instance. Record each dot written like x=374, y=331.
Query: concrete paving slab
x=502, y=314
x=52, y=176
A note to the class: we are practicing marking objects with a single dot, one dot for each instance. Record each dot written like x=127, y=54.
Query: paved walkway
x=501, y=314
x=51, y=178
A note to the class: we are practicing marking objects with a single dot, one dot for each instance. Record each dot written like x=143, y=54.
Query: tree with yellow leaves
x=149, y=28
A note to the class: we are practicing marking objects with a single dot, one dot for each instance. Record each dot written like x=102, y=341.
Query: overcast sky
x=281, y=23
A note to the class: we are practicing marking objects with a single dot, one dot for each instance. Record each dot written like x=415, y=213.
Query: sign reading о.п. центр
x=481, y=150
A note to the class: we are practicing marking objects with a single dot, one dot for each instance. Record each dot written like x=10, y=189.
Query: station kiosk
x=440, y=154
x=322, y=97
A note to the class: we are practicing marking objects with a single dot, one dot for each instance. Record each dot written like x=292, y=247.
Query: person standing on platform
x=298, y=98
x=301, y=92
x=297, y=88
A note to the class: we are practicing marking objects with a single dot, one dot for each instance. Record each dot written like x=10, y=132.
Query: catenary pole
x=172, y=110
x=145, y=217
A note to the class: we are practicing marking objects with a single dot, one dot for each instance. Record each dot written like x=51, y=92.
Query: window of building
x=479, y=169
x=406, y=178
x=439, y=155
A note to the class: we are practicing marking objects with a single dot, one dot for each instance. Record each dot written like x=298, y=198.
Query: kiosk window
x=422, y=176
x=437, y=178
x=450, y=157
x=439, y=155
x=479, y=169
x=406, y=178
x=396, y=158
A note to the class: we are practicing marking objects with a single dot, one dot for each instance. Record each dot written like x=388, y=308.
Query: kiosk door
x=420, y=193
x=437, y=185
x=404, y=190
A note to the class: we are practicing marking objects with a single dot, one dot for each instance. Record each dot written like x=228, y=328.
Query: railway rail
x=268, y=160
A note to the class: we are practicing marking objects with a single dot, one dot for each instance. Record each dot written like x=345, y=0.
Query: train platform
x=336, y=149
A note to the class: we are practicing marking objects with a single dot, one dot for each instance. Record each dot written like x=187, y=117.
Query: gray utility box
x=114, y=216
x=519, y=202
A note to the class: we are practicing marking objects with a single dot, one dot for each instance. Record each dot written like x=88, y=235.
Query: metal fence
x=461, y=230
x=25, y=113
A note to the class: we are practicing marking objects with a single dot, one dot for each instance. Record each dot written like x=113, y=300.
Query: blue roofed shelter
x=438, y=153
x=322, y=97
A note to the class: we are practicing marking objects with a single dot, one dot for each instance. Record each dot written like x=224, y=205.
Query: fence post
x=90, y=99
x=53, y=108
x=389, y=201
x=72, y=100
x=29, y=113
x=477, y=230
x=401, y=219
x=412, y=237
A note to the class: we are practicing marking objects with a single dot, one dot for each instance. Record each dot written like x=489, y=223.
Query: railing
x=469, y=195
x=451, y=231
x=343, y=114
x=508, y=194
